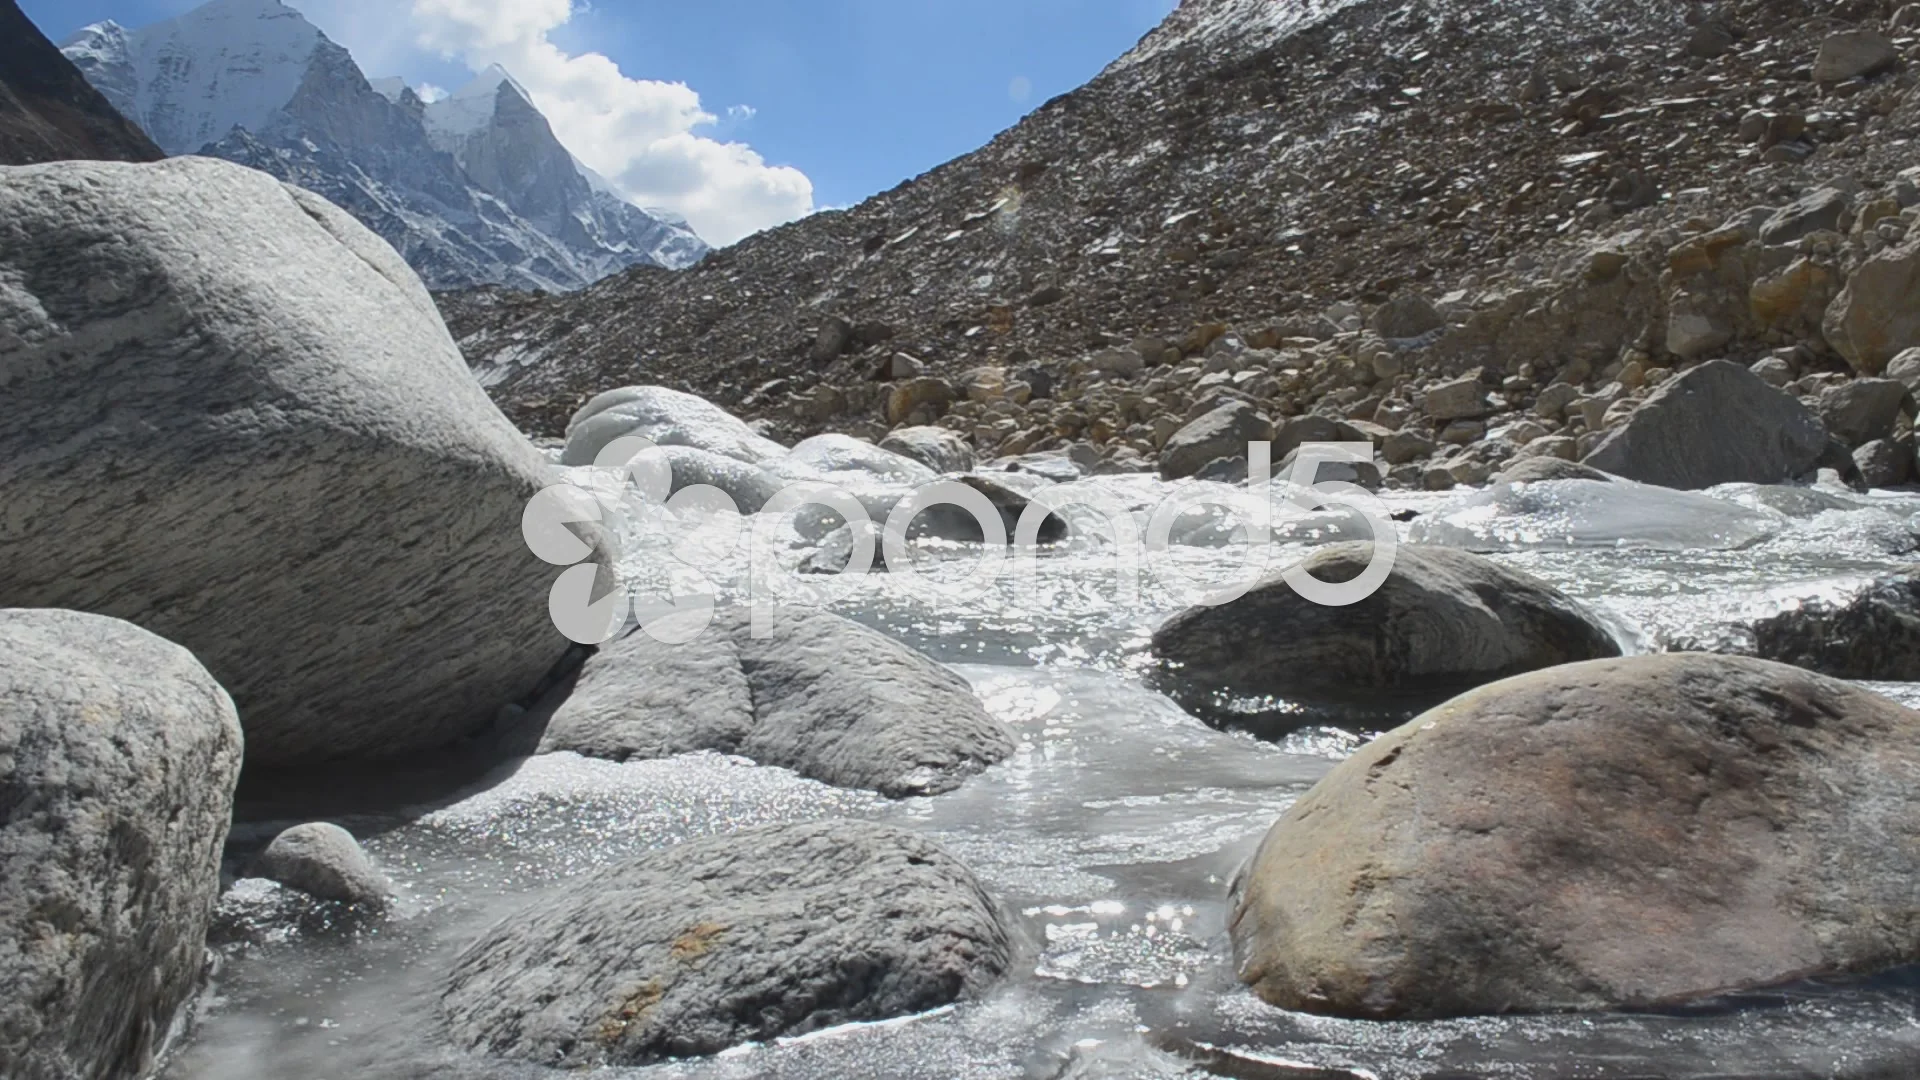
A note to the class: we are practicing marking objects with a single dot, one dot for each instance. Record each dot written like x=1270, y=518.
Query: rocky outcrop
x=756, y=934
x=1618, y=834
x=48, y=111
x=1442, y=619
x=1716, y=424
x=118, y=758
x=1877, y=316
x=822, y=695
x=324, y=861
x=234, y=418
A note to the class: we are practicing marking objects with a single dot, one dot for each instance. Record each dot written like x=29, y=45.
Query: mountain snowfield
x=473, y=189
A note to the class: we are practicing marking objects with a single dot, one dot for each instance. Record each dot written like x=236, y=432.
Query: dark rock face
x=234, y=418
x=823, y=696
x=1716, y=424
x=1442, y=619
x=48, y=110
x=118, y=758
x=1874, y=635
x=761, y=933
x=1616, y=834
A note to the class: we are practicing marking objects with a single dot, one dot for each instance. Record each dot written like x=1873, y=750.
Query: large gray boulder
x=749, y=936
x=1441, y=619
x=233, y=417
x=1223, y=432
x=824, y=696
x=1716, y=424
x=1624, y=833
x=118, y=758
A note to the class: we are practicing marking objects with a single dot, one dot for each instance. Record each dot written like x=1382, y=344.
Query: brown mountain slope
x=1250, y=163
x=48, y=111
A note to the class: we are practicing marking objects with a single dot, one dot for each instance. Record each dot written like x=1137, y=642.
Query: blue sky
x=856, y=95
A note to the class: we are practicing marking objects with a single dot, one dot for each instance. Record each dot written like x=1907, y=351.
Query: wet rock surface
x=819, y=694
x=1442, y=619
x=764, y=932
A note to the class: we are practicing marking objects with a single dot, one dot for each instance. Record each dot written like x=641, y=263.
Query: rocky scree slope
x=48, y=111
x=471, y=190
x=1355, y=204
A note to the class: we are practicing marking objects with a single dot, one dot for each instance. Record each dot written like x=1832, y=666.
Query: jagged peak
x=487, y=85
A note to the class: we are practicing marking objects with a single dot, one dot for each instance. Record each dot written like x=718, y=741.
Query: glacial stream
x=1111, y=835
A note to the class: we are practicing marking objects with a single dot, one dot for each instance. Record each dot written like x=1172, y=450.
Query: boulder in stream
x=118, y=758
x=766, y=932
x=1443, y=619
x=824, y=696
x=1627, y=833
x=235, y=418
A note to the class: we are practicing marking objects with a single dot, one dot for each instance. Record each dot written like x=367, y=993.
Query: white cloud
x=430, y=93
x=641, y=134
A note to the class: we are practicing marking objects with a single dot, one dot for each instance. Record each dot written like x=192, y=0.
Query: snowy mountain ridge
x=473, y=189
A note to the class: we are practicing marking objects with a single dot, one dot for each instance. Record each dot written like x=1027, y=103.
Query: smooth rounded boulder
x=1630, y=833
x=118, y=759
x=1443, y=618
x=822, y=695
x=766, y=932
x=667, y=418
x=235, y=418
x=324, y=861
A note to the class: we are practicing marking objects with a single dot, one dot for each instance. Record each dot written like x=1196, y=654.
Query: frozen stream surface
x=1110, y=834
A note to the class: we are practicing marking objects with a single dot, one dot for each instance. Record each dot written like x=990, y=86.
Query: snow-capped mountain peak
x=226, y=64
x=472, y=108
x=473, y=188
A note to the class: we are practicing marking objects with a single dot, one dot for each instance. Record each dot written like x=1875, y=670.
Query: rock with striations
x=324, y=861
x=1876, y=317
x=1223, y=432
x=1619, y=834
x=1442, y=619
x=822, y=695
x=766, y=932
x=48, y=110
x=118, y=758
x=236, y=419
x=1716, y=424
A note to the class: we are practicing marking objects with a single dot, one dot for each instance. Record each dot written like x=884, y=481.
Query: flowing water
x=1110, y=834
